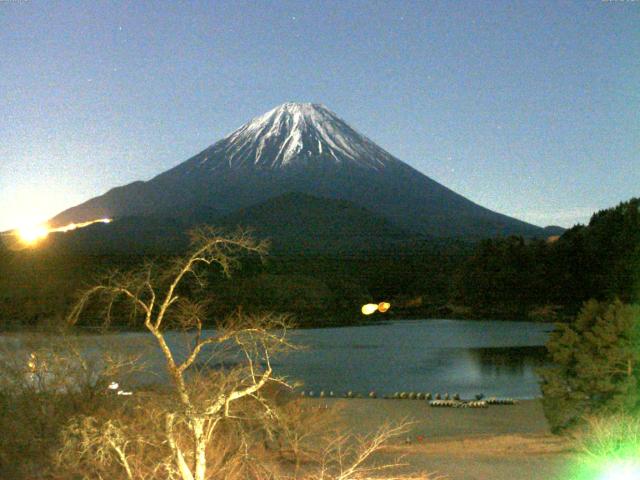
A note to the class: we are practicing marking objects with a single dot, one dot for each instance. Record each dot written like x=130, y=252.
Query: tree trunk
x=183, y=468
x=200, y=444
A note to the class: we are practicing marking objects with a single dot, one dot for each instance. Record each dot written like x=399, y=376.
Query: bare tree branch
x=157, y=296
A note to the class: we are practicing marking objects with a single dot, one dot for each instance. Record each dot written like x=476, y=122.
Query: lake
x=495, y=358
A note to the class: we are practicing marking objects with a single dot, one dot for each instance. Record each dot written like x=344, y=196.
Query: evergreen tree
x=596, y=365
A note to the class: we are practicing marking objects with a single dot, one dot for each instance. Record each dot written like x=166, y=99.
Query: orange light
x=383, y=307
x=32, y=234
x=75, y=226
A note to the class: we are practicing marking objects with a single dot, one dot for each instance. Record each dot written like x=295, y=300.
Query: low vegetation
x=608, y=447
x=46, y=380
x=614, y=437
x=595, y=365
x=221, y=411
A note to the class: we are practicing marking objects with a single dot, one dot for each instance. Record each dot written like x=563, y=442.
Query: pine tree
x=595, y=365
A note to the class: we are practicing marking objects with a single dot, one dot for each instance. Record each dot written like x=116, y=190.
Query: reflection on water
x=444, y=356
x=436, y=356
x=509, y=360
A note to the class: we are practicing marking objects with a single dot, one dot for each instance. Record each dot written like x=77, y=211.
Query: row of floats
x=436, y=400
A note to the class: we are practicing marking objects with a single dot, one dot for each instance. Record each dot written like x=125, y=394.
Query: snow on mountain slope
x=304, y=148
x=294, y=133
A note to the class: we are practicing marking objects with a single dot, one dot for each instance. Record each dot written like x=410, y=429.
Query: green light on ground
x=608, y=448
x=621, y=470
x=614, y=468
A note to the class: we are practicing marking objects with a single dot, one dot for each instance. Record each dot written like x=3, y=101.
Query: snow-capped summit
x=303, y=148
x=296, y=134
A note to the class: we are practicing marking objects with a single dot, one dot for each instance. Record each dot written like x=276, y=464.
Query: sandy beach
x=502, y=442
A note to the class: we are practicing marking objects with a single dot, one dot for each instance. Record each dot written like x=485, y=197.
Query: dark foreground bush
x=45, y=381
x=596, y=365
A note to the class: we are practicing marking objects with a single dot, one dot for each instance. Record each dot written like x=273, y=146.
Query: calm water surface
x=453, y=356
x=495, y=358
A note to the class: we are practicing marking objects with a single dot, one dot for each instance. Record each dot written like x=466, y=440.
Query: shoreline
x=501, y=442
x=52, y=328
x=524, y=417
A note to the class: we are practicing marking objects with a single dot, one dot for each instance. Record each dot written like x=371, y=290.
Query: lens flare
x=32, y=234
x=608, y=449
x=621, y=470
x=369, y=308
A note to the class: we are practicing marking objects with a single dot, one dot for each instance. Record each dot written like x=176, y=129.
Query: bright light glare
x=622, y=470
x=383, y=306
x=369, y=308
x=32, y=234
x=74, y=226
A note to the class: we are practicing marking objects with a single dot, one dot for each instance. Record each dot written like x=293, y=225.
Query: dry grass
x=304, y=443
x=609, y=437
x=46, y=381
x=512, y=446
x=80, y=434
x=204, y=422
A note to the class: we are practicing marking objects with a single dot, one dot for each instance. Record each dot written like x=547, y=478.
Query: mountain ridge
x=294, y=223
x=303, y=148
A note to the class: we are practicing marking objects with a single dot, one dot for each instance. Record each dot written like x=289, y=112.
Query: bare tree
x=202, y=427
x=349, y=458
x=160, y=298
x=46, y=379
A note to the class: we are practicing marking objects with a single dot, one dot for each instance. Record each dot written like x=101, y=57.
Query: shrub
x=609, y=447
x=595, y=365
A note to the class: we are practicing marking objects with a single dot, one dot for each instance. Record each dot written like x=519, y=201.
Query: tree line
x=599, y=261
x=510, y=278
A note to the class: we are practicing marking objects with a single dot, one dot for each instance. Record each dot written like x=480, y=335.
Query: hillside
x=302, y=148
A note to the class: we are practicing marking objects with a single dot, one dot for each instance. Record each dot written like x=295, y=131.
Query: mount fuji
x=305, y=149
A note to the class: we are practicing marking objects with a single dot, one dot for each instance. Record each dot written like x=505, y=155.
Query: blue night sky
x=529, y=108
